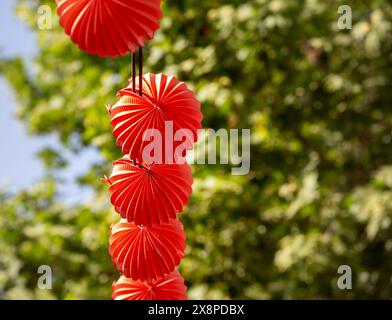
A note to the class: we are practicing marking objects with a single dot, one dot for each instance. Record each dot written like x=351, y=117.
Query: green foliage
x=319, y=193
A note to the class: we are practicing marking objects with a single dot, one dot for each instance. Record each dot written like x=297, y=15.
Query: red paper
x=147, y=253
x=171, y=287
x=109, y=27
x=164, y=99
x=149, y=194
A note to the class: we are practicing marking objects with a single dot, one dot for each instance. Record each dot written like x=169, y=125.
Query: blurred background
x=318, y=101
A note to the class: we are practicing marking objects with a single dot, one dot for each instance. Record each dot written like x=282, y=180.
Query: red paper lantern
x=170, y=287
x=109, y=27
x=147, y=253
x=149, y=194
x=164, y=99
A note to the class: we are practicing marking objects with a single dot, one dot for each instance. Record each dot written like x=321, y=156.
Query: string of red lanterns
x=148, y=243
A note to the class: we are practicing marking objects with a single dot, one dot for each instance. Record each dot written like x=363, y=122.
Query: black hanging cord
x=141, y=71
x=133, y=59
x=134, y=72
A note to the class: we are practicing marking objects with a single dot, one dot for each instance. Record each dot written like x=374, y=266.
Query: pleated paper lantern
x=170, y=287
x=149, y=194
x=147, y=253
x=164, y=99
x=149, y=242
x=109, y=27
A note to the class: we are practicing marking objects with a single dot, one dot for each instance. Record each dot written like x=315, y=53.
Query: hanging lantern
x=170, y=287
x=165, y=99
x=147, y=253
x=149, y=194
x=109, y=27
